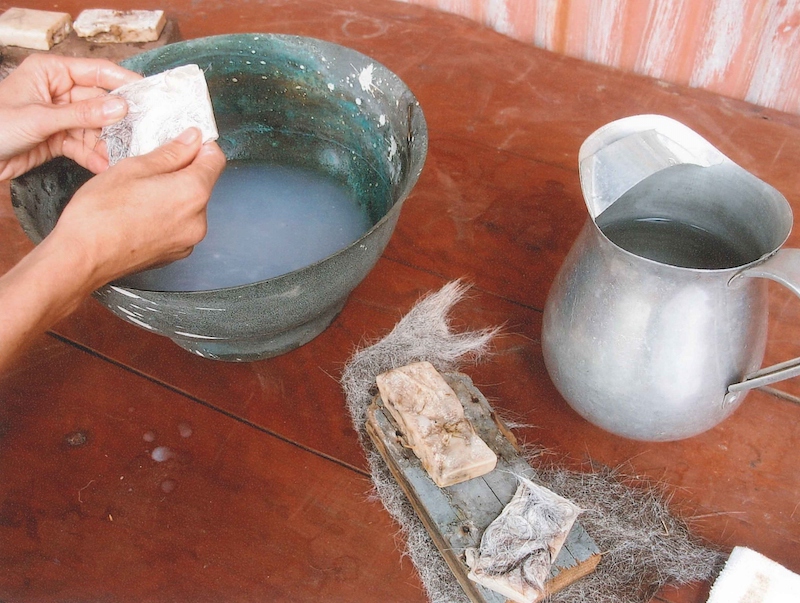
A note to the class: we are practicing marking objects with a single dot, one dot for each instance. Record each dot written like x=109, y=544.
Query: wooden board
x=457, y=516
x=74, y=46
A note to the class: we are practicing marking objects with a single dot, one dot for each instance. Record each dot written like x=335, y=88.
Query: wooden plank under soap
x=74, y=46
x=456, y=516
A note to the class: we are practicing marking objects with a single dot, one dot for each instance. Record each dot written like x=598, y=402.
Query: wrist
x=45, y=286
x=60, y=275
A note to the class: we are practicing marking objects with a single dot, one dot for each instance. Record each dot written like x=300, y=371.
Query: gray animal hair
x=644, y=545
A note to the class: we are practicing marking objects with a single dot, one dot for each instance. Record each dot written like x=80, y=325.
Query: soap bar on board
x=159, y=108
x=116, y=26
x=432, y=420
x=518, y=548
x=36, y=29
x=457, y=517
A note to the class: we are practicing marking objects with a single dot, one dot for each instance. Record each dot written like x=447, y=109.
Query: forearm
x=44, y=287
x=144, y=211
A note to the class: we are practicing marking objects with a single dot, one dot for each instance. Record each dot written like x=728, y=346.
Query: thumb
x=89, y=113
x=169, y=157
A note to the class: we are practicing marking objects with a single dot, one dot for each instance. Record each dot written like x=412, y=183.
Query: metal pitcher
x=656, y=324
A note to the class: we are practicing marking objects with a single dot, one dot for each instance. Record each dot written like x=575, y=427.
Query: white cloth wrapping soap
x=36, y=29
x=750, y=577
x=518, y=548
x=159, y=108
x=119, y=26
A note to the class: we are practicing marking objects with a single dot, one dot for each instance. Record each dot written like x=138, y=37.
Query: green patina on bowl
x=289, y=100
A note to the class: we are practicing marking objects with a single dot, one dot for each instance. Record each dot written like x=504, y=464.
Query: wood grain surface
x=268, y=499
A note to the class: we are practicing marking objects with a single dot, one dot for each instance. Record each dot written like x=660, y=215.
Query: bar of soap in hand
x=106, y=26
x=431, y=417
x=36, y=29
x=159, y=108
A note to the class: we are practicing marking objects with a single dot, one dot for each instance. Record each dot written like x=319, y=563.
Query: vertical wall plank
x=746, y=49
x=777, y=64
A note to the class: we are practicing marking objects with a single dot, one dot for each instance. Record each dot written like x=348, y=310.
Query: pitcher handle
x=783, y=267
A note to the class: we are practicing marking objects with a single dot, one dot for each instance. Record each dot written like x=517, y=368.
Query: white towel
x=749, y=577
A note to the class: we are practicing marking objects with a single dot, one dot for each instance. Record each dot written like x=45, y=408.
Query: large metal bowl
x=295, y=101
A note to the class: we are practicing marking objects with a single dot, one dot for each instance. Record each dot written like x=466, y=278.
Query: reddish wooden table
x=265, y=496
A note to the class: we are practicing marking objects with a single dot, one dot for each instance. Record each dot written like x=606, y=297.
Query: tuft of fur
x=422, y=334
x=645, y=546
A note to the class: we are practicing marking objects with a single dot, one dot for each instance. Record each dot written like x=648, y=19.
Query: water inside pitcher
x=698, y=217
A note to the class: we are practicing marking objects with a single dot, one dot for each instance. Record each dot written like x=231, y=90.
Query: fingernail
x=114, y=107
x=188, y=136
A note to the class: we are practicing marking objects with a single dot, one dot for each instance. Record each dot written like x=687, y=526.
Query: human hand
x=144, y=211
x=52, y=105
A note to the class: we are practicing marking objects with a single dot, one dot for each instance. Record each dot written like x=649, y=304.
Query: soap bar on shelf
x=432, y=420
x=116, y=26
x=36, y=29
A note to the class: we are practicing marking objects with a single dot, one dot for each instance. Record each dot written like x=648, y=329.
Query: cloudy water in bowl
x=264, y=220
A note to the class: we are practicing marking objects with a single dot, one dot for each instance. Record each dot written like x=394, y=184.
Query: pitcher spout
x=623, y=153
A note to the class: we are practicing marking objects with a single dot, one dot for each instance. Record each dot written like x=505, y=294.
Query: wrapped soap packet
x=159, y=108
x=518, y=548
